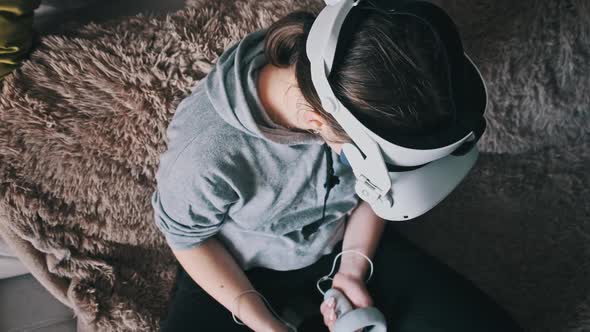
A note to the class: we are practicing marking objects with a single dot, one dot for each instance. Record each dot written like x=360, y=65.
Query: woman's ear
x=313, y=120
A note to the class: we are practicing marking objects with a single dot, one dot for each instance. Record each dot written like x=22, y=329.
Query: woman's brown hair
x=387, y=70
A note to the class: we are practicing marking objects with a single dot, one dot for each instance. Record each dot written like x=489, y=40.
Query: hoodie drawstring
x=331, y=181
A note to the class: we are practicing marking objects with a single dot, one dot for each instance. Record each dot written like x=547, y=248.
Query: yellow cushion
x=16, y=32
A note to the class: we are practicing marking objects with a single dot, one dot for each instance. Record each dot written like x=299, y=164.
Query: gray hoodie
x=230, y=172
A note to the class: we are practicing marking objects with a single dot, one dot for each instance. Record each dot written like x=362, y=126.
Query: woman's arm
x=214, y=269
x=363, y=233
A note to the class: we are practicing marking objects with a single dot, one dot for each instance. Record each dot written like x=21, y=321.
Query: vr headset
x=405, y=178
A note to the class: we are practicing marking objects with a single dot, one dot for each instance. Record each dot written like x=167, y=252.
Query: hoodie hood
x=232, y=89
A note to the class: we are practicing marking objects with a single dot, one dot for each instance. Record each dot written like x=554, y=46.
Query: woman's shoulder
x=194, y=117
x=198, y=141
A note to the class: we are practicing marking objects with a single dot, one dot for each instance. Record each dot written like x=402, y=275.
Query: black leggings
x=415, y=292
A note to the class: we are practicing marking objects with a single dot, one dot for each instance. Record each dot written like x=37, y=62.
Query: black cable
x=331, y=181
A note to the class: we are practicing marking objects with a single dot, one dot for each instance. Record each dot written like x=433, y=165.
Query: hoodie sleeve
x=192, y=196
x=190, y=209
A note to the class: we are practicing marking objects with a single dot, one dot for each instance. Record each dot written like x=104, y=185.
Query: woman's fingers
x=329, y=322
x=326, y=307
x=327, y=310
x=328, y=304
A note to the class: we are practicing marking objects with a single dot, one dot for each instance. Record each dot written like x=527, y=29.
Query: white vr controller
x=350, y=320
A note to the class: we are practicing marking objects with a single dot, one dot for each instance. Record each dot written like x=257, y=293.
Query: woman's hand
x=353, y=287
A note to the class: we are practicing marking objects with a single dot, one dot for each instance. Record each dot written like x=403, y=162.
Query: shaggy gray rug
x=83, y=122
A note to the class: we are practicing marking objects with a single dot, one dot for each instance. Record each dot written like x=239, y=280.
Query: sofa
x=25, y=305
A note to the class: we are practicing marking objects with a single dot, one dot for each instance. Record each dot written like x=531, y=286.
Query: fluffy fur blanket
x=83, y=122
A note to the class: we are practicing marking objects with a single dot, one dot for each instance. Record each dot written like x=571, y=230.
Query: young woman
x=252, y=195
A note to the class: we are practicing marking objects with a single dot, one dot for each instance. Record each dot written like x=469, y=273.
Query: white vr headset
x=404, y=179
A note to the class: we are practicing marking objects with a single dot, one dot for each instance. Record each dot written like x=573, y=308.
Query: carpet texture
x=83, y=122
